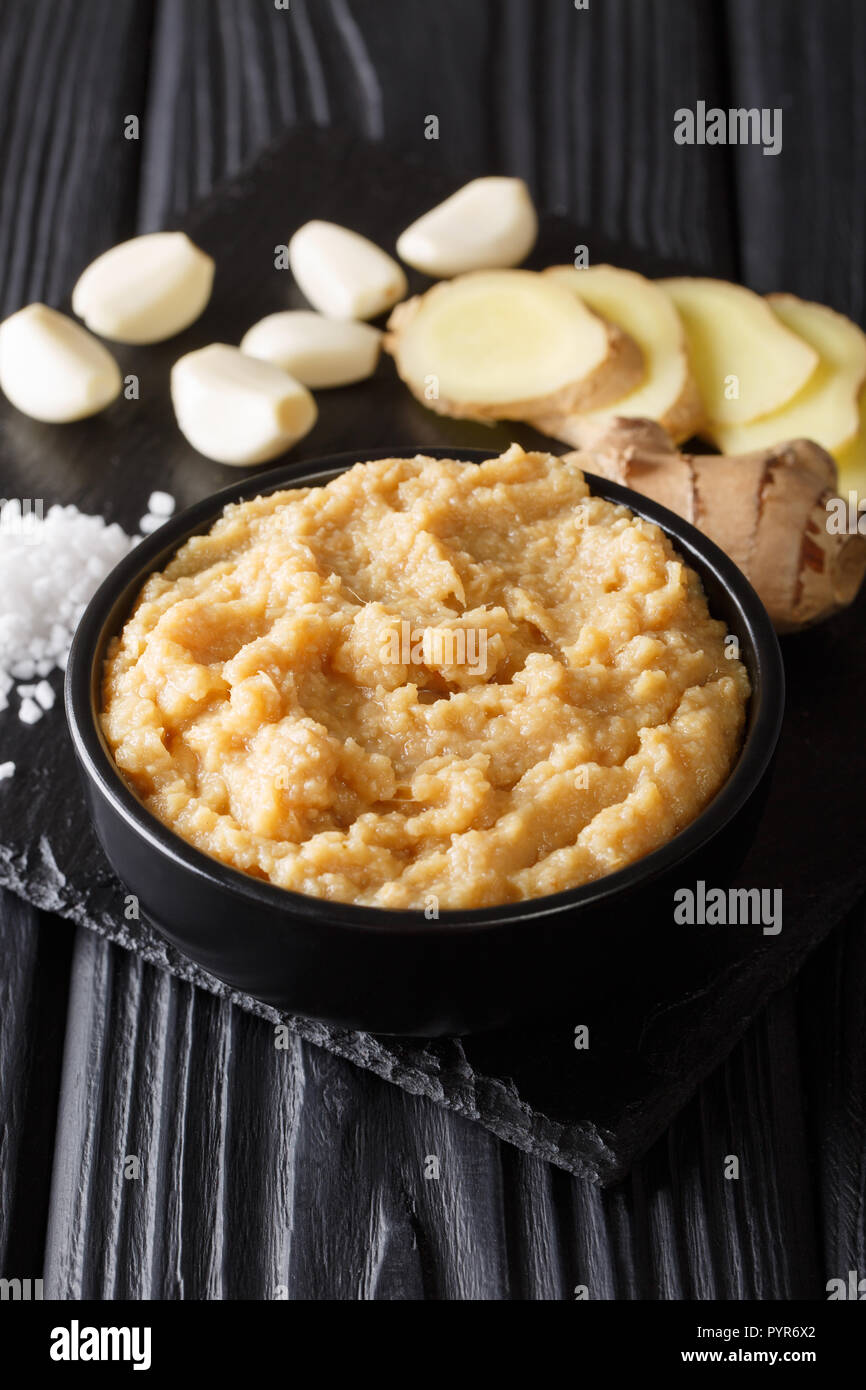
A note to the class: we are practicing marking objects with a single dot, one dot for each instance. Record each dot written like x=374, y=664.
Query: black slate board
x=664, y=1022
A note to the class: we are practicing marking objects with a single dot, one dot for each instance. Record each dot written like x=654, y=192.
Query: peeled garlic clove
x=488, y=224
x=342, y=274
x=51, y=367
x=236, y=409
x=146, y=289
x=315, y=350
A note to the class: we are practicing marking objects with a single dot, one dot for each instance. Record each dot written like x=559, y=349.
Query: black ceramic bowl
x=399, y=972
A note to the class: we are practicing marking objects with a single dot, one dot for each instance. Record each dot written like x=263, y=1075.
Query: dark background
x=295, y=1169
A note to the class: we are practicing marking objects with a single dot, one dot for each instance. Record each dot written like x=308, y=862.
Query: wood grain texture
x=69, y=176
x=802, y=228
x=265, y=1171
x=832, y=1038
x=802, y=215
x=35, y=953
x=271, y=1172
x=61, y=136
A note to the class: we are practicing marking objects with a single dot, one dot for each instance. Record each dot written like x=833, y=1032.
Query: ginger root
x=746, y=360
x=825, y=409
x=667, y=391
x=766, y=510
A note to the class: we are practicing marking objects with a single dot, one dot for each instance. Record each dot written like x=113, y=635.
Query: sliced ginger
x=851, y=460
x=826, y=408
x=746, y=361
x=509, y=344
x=667, y=391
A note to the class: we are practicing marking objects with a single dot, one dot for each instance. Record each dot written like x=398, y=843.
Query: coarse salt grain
x=44, y=695
x=150, y=523
x=6, y=770
x=160, y=504
x=30, y=712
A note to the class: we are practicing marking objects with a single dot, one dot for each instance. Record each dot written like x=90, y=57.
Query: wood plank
x=832, y=1032
x=802, y=221
x=66, y=87
x=35, y=953
x=284, y=1172
x=252, y=1151
x=66, y=93
x=802, y=214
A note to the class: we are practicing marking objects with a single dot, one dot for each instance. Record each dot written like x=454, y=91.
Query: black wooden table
x=290, y=1173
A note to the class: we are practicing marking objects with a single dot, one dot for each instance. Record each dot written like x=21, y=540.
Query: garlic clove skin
x=238, y=410
x=145, y=290
x=489, y=224
x=53, y=369
x=342, y=274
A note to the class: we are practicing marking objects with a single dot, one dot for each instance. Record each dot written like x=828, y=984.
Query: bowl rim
x=112, y=602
